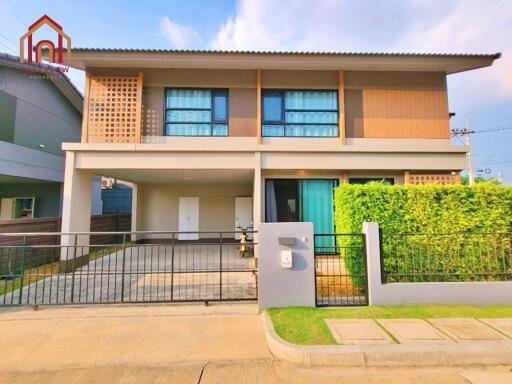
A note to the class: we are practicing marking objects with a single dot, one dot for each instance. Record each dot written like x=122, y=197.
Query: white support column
x=371, y=230
x=256, y=199
x=76, y=209
x=135, y=211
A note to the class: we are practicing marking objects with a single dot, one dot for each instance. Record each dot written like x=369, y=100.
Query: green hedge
x=460, y=213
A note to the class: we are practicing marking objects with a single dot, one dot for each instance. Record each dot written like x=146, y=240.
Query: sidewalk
x=177, y=344
x=70, y=337
x=442, y=342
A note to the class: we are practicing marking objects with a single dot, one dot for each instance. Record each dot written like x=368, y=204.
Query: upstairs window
x=196, y=112
x=300, y=113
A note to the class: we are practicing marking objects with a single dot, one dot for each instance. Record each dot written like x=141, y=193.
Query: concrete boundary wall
x=472, y=293
x=283, y=287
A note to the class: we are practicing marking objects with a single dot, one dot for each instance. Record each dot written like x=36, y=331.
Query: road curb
x=393, y=355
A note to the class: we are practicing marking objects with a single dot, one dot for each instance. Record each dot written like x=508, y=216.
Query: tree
x=480, y=179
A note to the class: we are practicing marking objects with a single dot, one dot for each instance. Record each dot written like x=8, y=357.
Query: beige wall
x=242, y=112
x=299, y=79
x=181, y=77
x=158, y=205
x=153, y=111
x=395, y=80
x=378, y=104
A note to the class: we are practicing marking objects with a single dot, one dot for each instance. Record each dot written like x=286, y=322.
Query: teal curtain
x=189, y=98
x=311, y=100
x=317, y=207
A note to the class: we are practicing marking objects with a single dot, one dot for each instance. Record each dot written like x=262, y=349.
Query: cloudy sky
x=441, y=26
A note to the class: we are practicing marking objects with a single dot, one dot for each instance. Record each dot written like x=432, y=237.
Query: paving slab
x=121, y=374
x=502, y=325
x=357, y=332
x=485, y=375
x=256, y=372
x=465, y=329
x=413, y=331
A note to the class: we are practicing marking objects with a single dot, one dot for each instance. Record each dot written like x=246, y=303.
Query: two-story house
x=218, y=140
x=39, y=109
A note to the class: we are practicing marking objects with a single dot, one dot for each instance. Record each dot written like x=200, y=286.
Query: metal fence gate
x=341, y=269
x=35, y=269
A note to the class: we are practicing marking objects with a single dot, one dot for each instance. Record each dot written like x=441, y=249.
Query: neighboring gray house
x=36, y=115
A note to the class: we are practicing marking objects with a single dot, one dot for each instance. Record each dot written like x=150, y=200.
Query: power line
x=505, y=127
x=464, y=131
x=9, y=40
x=493, y=156
x=9, y=48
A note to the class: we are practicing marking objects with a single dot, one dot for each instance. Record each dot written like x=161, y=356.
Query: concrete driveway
x=149, y=273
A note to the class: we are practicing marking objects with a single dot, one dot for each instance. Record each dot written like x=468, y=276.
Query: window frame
x=211, y=109
x=284, y=110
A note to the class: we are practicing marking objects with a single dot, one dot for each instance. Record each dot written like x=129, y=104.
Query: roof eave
x=83, y=59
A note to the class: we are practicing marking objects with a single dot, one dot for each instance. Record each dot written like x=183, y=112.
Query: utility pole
x=471, y=174
x=466, y=132
x=500, y=177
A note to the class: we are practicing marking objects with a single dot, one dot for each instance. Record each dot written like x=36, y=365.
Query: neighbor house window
x=196, y=112
x=300, y=113
x=366, y=180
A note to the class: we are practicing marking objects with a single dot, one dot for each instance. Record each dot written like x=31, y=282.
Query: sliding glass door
x=302, y=200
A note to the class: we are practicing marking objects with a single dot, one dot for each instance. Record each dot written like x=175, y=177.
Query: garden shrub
x=450, y=228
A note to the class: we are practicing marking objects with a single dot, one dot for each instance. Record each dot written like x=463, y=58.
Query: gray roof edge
x=14, y=61
x=496, y=55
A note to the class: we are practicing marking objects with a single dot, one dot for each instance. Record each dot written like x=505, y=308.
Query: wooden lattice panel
x=434, y=179
x=113, y=108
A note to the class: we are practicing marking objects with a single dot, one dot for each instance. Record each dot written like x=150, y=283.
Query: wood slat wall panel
x=99, y=223
x=400, y=113
x=11, y=259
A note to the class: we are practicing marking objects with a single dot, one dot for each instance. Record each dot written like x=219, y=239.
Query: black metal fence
x=161, y=267
x=34, y=256
x=446, y=257
x=340, y=269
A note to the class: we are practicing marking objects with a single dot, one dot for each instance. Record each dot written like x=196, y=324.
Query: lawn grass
x=306, y=326
x=32, y=275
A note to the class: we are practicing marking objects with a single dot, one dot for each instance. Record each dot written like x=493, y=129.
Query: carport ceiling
x=180, y=176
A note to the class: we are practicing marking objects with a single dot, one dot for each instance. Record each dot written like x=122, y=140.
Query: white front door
x=6, y=208
x=243, y=214
x=188, y=218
